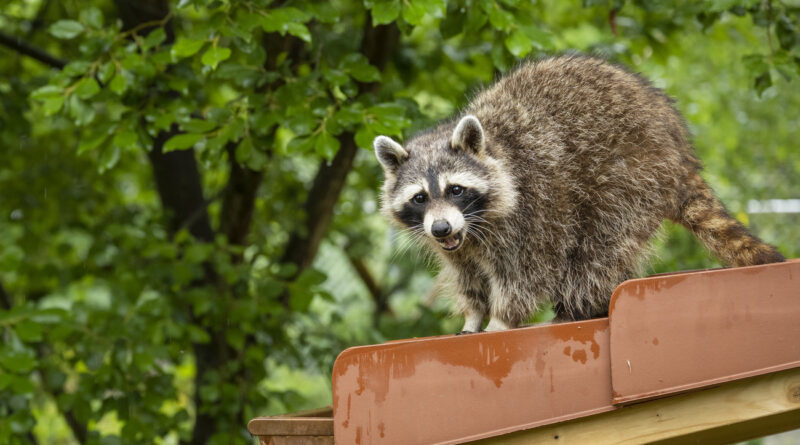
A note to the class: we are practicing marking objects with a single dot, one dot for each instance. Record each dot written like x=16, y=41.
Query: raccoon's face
x=441, y=186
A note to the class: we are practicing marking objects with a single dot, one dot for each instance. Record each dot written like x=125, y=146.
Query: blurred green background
x=189, y=231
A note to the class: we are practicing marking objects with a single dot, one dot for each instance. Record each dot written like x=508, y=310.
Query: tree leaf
x=244, y=150
x=186, y=47
x=500, y=18
x=357, y=66
x=126, y=139
x=198, y=126
x=118, y=84
x=387, y=118
x=47, y=91
x=518, y=44
x=214, y=55
x=81, y=113
x=414, y=12
x=108, y=158
x=93, y=17
x=155, y=38
x=87, y=87
x=17, y=362
x=539, y=38
x=52, y=105
x=106, y=72
x=385, y=12
x=298, y=30
x=29, y=331
x=326, y=145
x=93, y=141
x=762, y=82
x=76, y=68
x=182, y=141
x=66, y=29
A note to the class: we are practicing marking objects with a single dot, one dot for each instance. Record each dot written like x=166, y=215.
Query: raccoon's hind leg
x=606, y=255
x=586, y=289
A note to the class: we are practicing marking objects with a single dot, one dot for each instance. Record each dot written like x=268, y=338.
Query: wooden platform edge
x=735, y=411
x=310, y=427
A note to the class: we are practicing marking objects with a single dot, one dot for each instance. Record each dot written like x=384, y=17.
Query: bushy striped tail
x=706, y=217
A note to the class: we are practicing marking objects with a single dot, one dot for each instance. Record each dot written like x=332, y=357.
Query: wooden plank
x=453, y=389
x=296, y=440
x=309, y=427
x=675, y=333
x=325, y=411
x=739, y=410
x=291, y=426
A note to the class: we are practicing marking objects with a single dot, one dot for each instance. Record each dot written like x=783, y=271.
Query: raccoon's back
x=581, y=131
x=579, y=99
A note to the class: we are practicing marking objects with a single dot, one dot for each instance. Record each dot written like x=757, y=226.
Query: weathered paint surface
x=678, y=332
x=455, y=388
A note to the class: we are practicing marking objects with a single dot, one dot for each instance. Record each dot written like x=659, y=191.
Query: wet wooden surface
x=674, y=333
x=455, y=388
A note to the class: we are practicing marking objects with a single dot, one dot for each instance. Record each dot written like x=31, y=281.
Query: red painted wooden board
x=453, y=389
x=678, y=332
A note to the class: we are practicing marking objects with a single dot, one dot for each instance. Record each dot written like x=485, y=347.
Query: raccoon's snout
x=445, y=224
x=441, y=228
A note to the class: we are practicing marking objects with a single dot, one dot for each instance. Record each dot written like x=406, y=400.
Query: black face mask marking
x=412, y=214
x=470, y=201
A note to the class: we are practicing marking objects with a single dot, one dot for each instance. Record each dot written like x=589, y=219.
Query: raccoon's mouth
x=451, y=242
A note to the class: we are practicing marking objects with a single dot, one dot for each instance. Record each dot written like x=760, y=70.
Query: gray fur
x=583, y=160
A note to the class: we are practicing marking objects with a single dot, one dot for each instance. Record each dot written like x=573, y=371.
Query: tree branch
x=239, y=201
x=369, y=281
x=377, y=45
x=5, y=299
x=22, y=47
x=380, y=295
x=180, y=188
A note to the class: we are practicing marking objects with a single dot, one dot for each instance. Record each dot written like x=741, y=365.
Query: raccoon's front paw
x=467, y=332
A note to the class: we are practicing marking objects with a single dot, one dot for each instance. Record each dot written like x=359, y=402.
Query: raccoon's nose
x=440, y=228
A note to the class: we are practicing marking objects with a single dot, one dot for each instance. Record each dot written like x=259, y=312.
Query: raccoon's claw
x=468, y=332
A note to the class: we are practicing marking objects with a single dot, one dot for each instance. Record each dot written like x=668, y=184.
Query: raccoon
x=548, y=187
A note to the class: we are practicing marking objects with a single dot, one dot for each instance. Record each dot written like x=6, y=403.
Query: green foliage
x=123, y=323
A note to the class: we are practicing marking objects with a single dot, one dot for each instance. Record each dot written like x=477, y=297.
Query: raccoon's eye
x=419, y=198
x=456, y=190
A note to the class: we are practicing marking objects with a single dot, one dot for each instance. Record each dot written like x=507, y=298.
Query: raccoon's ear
x=468, y=135
x=389, y=153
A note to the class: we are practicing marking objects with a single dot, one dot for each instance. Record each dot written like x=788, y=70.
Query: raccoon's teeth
x=451, y=242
